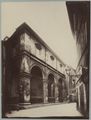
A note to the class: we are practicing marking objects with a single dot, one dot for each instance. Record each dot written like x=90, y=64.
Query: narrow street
x=59, y=110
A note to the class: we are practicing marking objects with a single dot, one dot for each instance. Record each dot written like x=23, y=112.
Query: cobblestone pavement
x=60, y=110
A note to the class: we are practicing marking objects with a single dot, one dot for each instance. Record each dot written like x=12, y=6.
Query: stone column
x=56, y=90
x=78, y=98
x=45, y=91
x=85, y=100
x=68, y=80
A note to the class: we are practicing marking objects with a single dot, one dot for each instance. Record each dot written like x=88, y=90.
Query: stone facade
x=32, y=72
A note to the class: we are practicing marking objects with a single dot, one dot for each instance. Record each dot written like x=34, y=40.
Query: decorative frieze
x=25, y=64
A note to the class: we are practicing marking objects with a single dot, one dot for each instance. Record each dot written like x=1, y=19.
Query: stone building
x=71, y=77
x=32, y=72
x=79, y=16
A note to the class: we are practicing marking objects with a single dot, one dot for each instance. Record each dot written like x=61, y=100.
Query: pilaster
x=56, y=91
x=45, y=89
x=24, y=81
x=24, y=90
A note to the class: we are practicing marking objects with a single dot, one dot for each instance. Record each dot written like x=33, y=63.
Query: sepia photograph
x=45, y=59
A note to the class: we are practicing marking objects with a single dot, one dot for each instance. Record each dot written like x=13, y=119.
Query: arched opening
x=51, y=88
x=36, y=85
x=62, y=90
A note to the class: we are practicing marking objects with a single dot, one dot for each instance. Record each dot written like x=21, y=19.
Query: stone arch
x=50, y=72
x=51, y=88
x=36, y=84
x=35, y=64
x=61, y=90
x=40, y=66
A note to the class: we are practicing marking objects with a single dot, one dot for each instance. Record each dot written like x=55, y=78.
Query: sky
x=48, y=19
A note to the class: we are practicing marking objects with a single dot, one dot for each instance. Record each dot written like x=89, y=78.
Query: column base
x=57, y=100
x=45, y=102
x=24, y=105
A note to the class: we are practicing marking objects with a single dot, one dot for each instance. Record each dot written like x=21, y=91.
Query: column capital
x=45, y=81
x=24, y=74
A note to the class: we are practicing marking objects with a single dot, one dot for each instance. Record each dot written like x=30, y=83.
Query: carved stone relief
x=25, y=64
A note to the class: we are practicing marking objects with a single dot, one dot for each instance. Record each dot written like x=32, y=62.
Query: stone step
x=29, y=105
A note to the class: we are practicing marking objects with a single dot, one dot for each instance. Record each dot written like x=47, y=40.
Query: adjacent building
x=79, y=17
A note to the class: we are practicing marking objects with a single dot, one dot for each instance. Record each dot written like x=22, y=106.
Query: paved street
x=59, y=110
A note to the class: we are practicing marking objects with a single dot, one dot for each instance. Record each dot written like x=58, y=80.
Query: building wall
x=82, y=39
x=79, y=16
x=22, y=53
x=31, y=45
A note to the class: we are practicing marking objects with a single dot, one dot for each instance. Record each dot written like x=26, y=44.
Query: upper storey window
x=38, y=46
x=52, y=58
x=61, y=65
